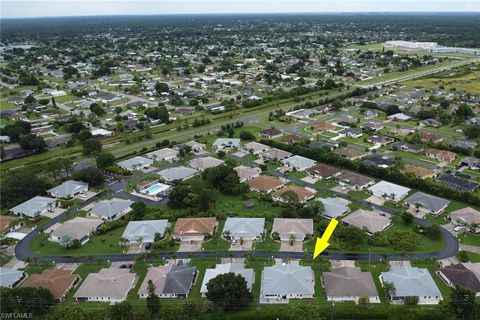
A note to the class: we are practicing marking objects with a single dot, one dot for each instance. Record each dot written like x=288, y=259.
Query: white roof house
x=111, y=209
x=372, y=221
x=412, y=282
x=226, y=143
x=286, y=281
x=298, y=163
x=78, y=228
x=334, y=207
x=238, y=269
x=9, y=277
x=178, y=173
x=389, y=190
x=135, y=163
x=144, y=231
x=34, y=207
x=108, y=285
x=68, y=189
x=245, y=228
x=203, y=163
x=165, y=154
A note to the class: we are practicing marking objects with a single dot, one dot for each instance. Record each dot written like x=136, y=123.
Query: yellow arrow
x=322, y=243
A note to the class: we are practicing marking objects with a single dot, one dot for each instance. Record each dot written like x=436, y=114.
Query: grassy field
x=469, y=82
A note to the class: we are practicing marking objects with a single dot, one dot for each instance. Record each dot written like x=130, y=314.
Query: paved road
x=22, y=249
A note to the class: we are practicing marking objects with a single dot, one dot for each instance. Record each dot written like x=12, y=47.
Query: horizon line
x=406, y=12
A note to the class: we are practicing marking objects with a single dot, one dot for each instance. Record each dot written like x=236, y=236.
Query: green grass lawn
x=473, y=257
x=469, y=239
x=268, y=244
x=240, y=206
x=107, y=243
x=360, y=194
x=297, y=174
x=217, y=243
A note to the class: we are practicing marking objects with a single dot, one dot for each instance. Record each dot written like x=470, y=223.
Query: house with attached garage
x=255, y=147
x=355, y=180
x=370, y=221
x=180, y=173
x=466, y=216
x=136, y=163
x=334, y=207
x=265, y=184
x=350, y=154
x=466, y=275
x=271, y=133
x=283, y=282
x=244, y=228
x=323, y=171
x=144, y=231
x=69, y=189
x=407, y=147
x=275, y=154
x=194, y=229
x=10, y=277
x=298, y=163
x=58, y=281
x=108, y=285
x=427, y=203
x=34, y=207
x=247, y=173
x=165, y=154
x=236, y=268
x=441, y=155
x=303, y=194
x=470, y=162
x=78, y=228
x=170, y=281
x=287, y=228
x=463, y=144
x=411, y=282
x=226, y=143
x=111, y=209
x=351, y=133
x=349, y=284
x=389, y=191
x=203, y=163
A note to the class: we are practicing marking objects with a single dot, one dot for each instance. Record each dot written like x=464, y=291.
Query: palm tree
x=390, y=289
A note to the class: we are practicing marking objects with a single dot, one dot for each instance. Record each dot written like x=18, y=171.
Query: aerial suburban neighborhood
x=186, y=167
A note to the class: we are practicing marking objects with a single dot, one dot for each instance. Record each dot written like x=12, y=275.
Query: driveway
x=399, y=263
x=246, y=246
x=136, y=248
x=296, y=247
x=190, y=246
x=469, y=248
x=342, y=263
x=376, y=200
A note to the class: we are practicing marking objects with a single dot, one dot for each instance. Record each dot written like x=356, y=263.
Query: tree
x=104, y=159
x=37, y=301
x=463, y=256
x=246, y=135
x=290, y=197
x=97, y=109
x=462, y=303
x=229, y=291
x=472, y=132
x=153, y=301
x=434, y=232
x=139, y=209
x=161, y=87
x=299, y=310
x=32, y=142
x=92, y=175
x=16, y=129
x=158, y=113
x=464, y=112
x=389, y=289
x=363, y=301
x=21, y=186
x=121, y=311
x=223, y=178
x=407, y=218
x=411, y=300
x=91, y=146
x=29, y=99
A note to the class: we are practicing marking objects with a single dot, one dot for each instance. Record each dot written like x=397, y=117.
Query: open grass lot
x=216, y=242
x=249, y=206
x=469, y=82
x=107, y=243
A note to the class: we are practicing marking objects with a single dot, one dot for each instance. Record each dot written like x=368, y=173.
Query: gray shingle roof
x=68, y=188
x=33, y=206
x=178, y=173
x=179, y=280
x=432, y=203
x=347, y=281
x=334, y=207
x=288, y=279
x=246, y=228
x=411, y=282
x=135, y=163
x=110, y=208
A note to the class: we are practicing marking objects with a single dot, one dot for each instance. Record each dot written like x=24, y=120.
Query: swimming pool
x=155, y=189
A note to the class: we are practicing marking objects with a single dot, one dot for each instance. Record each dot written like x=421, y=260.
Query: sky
x=55, y=8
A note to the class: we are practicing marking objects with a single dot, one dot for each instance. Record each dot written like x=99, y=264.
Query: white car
x=458, y=228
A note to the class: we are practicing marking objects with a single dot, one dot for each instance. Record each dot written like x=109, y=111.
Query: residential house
x=9, y=223
x=247, y=173
x=255, y=147
x=388, y=190
x=111, y=209
x=204, y=163
x=458, y=183
x=179, y=173
x=69, y=189
x=350, y=154
x=323, y=127
x=441, y=155
x=398, y=117
x=349, y=284
x=412, y=282
x=226, y=143
x=34, y=207
x=108, y=285
x=144, y=231
x=170, y=281
x=271, y=133
x=430, y=123
x=355, y=180
x=384, y=160
x=370, y=221
x=470, y=162
x=298, y=163
x=379, y=140
x=297, y=229
x=351, y=133
x=57, y=281
x=346, y=120
x=427, y=203
x=463, y=144
x=165, y=154
x=236, y=268
x=244, y=228
x=283, y=282
x=78, y=228
x=430, y=136
x=323, y=171
x=293, y=138
x=407, y=147
x=136, y=163
x=275, y=154
x=303, y=194
x=459, y=275
x=466, y=216
x=196, y=146
x=265, y=184
x=10, y=277
x=194, y=229
x=372, y=126
x=302, y=113
x=334, y=207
